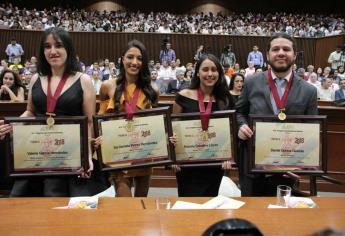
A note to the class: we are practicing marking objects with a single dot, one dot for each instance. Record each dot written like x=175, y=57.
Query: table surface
x=126, y=216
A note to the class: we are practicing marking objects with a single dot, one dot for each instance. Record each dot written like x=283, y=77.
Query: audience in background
x=178, y=84
x=297, y=24
x=340, y=93
x=336, y=58
x=250, y=70
x=256, y=58
x=341, y=73
x=325, y=91
x=14, y=50
x=236, y=85
x=199, y=52
x=167, y=53
x=312, y=79
x=11, y=87
x=227, y=57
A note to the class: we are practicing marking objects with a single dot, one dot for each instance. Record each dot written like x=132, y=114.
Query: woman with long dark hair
x=134, y=76
x=59, y=79
x=11, y=87
x=208, y=81
x=236, y=85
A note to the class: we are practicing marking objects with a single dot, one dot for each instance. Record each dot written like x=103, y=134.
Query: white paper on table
x=221, y=202
x=83, y=203
x=80, y=203
x=301, y=202
x=181, y=205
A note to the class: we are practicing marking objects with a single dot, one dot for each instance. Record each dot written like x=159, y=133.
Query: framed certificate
x=141, y=142
x=193, y=149
x=34, y=148
x=297, y=144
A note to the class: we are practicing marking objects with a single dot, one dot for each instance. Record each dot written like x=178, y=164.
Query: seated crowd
x=298, y=25
x=173, y=77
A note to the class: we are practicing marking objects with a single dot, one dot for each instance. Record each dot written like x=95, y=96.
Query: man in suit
x=257, y=98
x=179, y=83
x=340, y=93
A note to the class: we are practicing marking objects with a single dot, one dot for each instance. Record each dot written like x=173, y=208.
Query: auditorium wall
x=92, y=46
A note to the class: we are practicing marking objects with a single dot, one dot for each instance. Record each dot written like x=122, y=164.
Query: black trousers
x=257, y=184
x=64, y=186
x=199, y=181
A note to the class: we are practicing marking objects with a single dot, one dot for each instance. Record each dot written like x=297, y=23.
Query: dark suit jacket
x=255, y=98
x=339, y=94
x=172, y=87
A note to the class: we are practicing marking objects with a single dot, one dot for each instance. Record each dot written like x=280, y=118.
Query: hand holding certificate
x=297, y=144
x=193, y=148
x=35, y=148
x=142, y=143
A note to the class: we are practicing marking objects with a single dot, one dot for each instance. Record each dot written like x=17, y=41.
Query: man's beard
x=281, y=69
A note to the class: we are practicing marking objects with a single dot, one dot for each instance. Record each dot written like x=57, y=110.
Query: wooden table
x=125, y=216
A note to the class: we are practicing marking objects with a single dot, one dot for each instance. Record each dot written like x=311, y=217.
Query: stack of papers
x=219, y=202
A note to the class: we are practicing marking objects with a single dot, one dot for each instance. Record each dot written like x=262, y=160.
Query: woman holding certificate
x=208, y=92
x=132, y=90
x=59, y=89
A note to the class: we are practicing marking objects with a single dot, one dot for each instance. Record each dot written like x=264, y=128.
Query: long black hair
x=220, y=90
x=16, y=85
x=59, y=34
x=232, y=81
x=144, y=78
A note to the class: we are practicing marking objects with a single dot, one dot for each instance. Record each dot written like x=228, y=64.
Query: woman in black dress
x=58, y=67
x=209, y=80
x=236, y=85
x=11, y=88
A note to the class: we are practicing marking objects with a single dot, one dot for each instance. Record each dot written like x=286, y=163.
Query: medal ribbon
x=130, y=107
x=52, y=100
x=204, y=114
x=280, y=103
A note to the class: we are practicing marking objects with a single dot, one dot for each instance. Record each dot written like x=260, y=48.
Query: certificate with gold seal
x=140, y=142
x=296, y=144
x=197, y=147
x=35, y=148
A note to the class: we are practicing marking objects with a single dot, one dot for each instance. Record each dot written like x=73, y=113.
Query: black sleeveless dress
x=197, y=181
x=70, y=103
x=6, y=96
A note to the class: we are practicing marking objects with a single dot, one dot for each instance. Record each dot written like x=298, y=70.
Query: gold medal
x=50, y=120
x=204, y=135
x=281, y=115
x=129, y=126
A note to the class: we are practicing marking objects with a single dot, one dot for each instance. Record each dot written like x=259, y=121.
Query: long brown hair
x=144, y=79
x=220, y=91
x=16, y=85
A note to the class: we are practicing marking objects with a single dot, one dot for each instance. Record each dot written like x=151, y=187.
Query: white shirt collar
x=287, y=77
